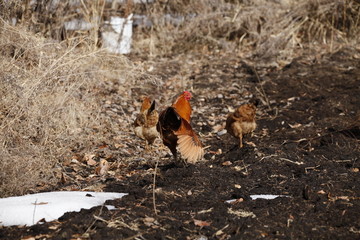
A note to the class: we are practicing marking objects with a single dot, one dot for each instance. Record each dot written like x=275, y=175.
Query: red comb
x=187, y=95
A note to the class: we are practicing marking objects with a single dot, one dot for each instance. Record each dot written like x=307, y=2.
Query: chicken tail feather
x=190, y=148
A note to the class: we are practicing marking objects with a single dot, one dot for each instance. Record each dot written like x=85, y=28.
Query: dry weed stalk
x=154, y=188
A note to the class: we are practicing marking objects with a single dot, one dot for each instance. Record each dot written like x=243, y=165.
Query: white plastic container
x=117, y=38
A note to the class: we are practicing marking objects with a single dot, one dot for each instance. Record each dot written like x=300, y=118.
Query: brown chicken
x=175, y=130
x=145, y=122
x=242, y=121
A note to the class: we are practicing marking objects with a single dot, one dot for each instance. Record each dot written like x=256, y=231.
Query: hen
x=145, y=122
x=242, y=121
x=175, y=130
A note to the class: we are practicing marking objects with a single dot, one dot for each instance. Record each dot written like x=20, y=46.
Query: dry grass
x=247, y=28
x=250, y=29
x=49, y=104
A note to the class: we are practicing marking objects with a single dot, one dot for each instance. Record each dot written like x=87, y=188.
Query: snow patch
x=258, y=196
x=30, y=209
x=266, y=196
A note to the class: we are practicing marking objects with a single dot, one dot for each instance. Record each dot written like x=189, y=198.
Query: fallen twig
x=288, y=160
x=154, y=186
x=261, y=90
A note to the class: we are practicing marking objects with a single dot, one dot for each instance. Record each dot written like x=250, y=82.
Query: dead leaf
x=235, y=201
x=219, y=232
x=239, y=168
x=54, y=227
x=296, y=125
x=28, y=238
x=103, y=146
x=103, y=167
x=78, y=177
x=251, y=144
x=87, y=156
x=201, y=223
x=211, y=123
x=91, y=162
x=66, y=162
x=74, y=160
x=119, y=145
x=217, y=128
x=89, y=159
x=264, y=234
x=230, y=109
x=149, y=221
x=219, y=151
x=227, y=163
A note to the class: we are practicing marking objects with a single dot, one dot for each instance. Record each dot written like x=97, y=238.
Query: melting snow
x=262, y=196
x=29, y=209
x=266, y=196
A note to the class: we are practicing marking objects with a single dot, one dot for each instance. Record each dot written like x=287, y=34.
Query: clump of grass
x=332, y=22
x=261, y=30
x=49, y=104
x=322, y=25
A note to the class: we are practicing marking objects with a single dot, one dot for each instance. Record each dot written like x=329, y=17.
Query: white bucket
x=118, y=39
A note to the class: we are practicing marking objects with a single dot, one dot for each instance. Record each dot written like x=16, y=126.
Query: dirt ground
x=306, y=147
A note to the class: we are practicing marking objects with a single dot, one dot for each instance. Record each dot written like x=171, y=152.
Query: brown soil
x=306, y=147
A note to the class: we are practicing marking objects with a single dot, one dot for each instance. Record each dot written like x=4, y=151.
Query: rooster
x=242, y=121
x=175, y=130
x=145, y=122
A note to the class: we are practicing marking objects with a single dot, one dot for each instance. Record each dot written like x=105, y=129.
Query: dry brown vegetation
x=50, y=102
x=270, y=32
x=51, y=80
